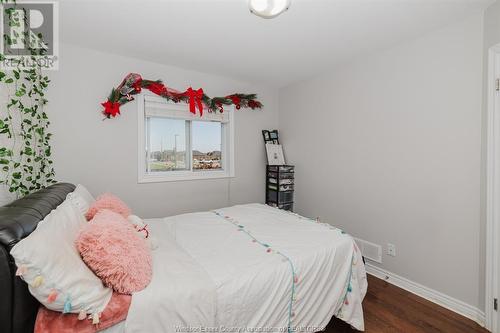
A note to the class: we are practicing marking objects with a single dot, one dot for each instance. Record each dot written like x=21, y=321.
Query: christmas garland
x=133, y=83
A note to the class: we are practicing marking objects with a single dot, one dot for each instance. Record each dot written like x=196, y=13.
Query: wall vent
x=370, y=250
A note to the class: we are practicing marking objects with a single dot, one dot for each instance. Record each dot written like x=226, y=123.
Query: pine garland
x=133, y=84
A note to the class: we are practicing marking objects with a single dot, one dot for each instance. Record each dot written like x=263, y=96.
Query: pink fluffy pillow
x=115, y=252
x=108, y=201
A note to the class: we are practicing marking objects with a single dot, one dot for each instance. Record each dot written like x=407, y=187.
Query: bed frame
x=18, y=219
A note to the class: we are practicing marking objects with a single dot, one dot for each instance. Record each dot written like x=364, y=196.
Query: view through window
x=207, y=150
x=167, y=139
x=172, y=142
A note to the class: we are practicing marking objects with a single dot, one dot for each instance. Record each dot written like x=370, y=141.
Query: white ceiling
x=222, y=37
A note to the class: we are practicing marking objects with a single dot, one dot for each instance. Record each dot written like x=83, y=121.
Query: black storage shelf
x=280, y=185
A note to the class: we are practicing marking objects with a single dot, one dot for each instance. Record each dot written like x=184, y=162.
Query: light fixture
x=268, y=8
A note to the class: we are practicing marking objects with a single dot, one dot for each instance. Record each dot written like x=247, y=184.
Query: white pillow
x=81, y=198
x=48, y=257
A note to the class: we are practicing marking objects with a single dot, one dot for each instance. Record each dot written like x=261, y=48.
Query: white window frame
x=227, y=138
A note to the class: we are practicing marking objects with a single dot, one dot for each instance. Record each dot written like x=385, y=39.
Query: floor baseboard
x=432, y=295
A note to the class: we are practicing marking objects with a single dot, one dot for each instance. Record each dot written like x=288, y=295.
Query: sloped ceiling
x=222, y=37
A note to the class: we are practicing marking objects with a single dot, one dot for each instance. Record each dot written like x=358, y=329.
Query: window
x=167, y=144
x=176, y=145
x=207, y=145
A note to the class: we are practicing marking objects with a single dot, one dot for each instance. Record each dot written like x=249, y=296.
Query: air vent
x=370, y=250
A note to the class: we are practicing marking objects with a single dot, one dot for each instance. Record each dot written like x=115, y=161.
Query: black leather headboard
x=18, y=219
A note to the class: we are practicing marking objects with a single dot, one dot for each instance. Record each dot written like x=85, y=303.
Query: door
x=496, y=107
x=492, y=296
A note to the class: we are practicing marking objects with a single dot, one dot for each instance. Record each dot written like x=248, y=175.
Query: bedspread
x=249, y=268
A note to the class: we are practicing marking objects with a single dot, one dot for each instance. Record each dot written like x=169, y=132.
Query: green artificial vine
x=25, y=160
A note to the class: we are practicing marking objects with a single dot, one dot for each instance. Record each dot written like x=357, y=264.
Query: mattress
x=248, y=268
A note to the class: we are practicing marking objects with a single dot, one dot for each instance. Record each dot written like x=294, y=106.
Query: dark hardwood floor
x=388, y=308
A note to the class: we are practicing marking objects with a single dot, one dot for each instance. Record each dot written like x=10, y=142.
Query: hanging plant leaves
x=30, y=167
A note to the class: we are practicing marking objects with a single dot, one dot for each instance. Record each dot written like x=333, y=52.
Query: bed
x=248, y=267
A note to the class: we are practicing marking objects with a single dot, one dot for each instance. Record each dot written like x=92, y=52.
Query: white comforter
x=233, y=272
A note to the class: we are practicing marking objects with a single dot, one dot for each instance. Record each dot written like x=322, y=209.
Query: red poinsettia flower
x=111, y=109
x=235, y=99
x=157, y=88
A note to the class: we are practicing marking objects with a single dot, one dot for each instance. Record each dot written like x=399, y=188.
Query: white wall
x=103, y=154
x=492, y=25
x=388, y=148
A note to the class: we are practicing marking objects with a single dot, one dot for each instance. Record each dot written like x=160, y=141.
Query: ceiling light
x=268, y=8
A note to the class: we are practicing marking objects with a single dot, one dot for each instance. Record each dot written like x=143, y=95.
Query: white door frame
x=493, y=191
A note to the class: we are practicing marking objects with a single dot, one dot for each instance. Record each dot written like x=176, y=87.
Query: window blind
x=155, y=107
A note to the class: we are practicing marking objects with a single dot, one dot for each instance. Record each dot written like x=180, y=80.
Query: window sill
x=182, y=176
